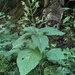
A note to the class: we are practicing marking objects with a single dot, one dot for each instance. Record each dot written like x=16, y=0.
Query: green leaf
x=28, y=60
x=66, y=19
x=5, y=43
x=26, y=8
x=65, y=9
x=19, y=42
x=31, y=30
x=1, y=25
x=8, y=53
x=41, y=41
x=51, y=31
x=50, y=70
x=31, y=45
x=62, y=71
x=74, y=23
x=37, y=4
x=55, y=55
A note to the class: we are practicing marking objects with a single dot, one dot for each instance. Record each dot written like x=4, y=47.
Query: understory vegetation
x=29, y=46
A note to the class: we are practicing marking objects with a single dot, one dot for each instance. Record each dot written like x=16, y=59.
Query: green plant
x=31, y=46
x=69, y=23
x=31, y=52
x=30, y=8
x=7, y=37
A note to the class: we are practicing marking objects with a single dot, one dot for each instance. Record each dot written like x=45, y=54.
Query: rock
x=53, y=14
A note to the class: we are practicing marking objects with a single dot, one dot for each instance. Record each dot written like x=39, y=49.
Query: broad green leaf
x=31, y=30
x=28, y=60
x=19, y=42
x=66, y=19
x=40, y=41
x=51, y=31
x=55, y=55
